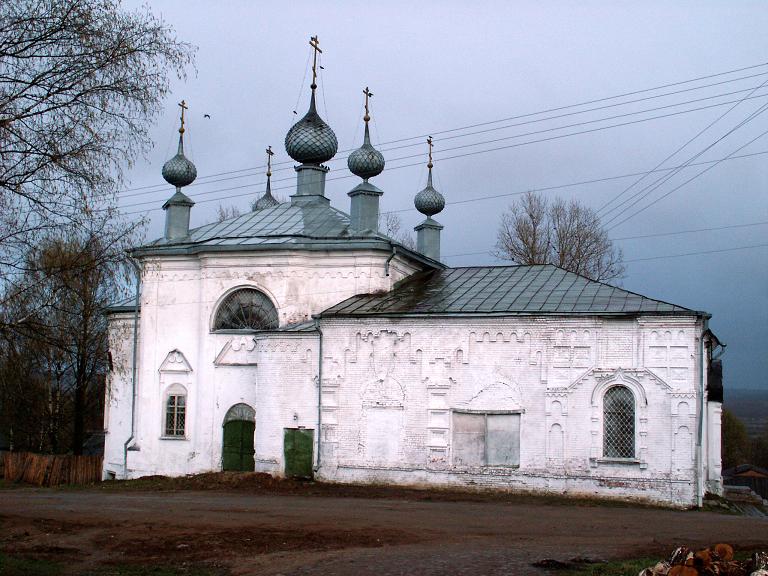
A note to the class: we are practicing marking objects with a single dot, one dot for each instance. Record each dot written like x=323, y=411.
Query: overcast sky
x=439, y=66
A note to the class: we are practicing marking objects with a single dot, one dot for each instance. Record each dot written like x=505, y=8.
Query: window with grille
x=175, y=415
x=481, y=439
x=246, y=309
x=618, y=423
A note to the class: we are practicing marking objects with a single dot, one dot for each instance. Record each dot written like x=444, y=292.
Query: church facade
x=298, y=340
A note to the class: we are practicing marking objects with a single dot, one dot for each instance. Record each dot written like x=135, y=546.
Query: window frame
x=176, y=433
x=486, y=413
x=633, y=459
x=217, y=310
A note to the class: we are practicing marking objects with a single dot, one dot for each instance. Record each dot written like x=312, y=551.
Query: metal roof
x=538, y=289
x=124, y=305
x=308, y=225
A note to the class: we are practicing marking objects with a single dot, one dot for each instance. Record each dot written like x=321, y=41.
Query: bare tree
x=81, y=82
x=226, y=212
x=61, y=349
x=391, y=224
x=565, y=233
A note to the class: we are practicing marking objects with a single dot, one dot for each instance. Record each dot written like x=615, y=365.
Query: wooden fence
x=42, y=470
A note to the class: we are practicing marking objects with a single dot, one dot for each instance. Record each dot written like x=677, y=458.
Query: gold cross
x=429, y=143
x=368, y=94
x=183, y=106
x=269, y=160
x=315, y=43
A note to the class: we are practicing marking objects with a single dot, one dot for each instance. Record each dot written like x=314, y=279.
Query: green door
x=238, y=446
x=298, y=444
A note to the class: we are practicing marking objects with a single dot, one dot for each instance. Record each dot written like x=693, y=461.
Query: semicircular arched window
x=246, y=309
x=618, y=423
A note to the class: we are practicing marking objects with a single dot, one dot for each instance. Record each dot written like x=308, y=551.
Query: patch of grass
x=619, y=568
x=16, y=566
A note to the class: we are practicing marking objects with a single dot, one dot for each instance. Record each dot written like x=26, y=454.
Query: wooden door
x=237, y=453
x=298, y=448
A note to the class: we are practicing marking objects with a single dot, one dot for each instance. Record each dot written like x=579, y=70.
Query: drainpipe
x=137, y=269
x=386, y=264
x=319, y=392
x=699, y=472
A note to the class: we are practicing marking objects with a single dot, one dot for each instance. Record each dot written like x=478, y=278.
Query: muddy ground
x=256, y=525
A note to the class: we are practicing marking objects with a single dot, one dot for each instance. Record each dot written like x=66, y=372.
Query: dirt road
x=293, y=535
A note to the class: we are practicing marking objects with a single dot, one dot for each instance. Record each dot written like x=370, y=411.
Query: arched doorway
x=239, y=426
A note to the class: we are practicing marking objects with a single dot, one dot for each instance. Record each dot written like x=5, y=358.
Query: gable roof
x=307, y=225
x=503, y=290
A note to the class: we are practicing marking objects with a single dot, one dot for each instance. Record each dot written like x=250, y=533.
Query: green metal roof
x=503, y=290
x=311, y=225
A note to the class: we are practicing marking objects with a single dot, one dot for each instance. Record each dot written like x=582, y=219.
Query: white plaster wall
x=714, y=452
x=553, y=369
x=117, y=405
x=179, y=297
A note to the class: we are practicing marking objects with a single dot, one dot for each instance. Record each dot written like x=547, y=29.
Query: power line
x=528, y=115
x=643, y=236
x=680, y=148
x=480, y=198
x=693, y=231
x=676, y=188
x=443, y=158
x=668, y=256
x=160, y=187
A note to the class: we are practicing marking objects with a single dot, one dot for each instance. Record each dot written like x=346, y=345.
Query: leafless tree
x=226, y=212
x=565, y=233
x=81, y=82
x=391, y=224
x=55, y=358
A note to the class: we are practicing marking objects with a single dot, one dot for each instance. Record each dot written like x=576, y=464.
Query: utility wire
x=676, y=188
x=667, y=256
x=165, y=186
x=559, y=108
x=644, y=236
x=525, y=143
x=648, y=190
x=680, y=148
x=479, y=198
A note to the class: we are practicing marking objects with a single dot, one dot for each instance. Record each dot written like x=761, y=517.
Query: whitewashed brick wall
x=407, y=375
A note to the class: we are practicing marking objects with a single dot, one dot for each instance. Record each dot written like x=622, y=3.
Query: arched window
x=175, y=413
x=246, y=309
x=618, y=423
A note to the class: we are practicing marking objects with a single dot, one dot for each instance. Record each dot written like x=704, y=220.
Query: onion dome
x=267, y=201
x=429, y=201
x=366, y=162
x=311, y=140
x=179, y=170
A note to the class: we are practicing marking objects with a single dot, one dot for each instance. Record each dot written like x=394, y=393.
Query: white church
x=299, y=340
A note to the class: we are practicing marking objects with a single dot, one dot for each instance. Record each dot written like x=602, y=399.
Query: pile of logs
x=43, y=470
x=716, y=560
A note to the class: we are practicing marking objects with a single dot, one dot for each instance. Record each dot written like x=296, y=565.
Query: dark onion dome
x=366, y=162
x=429, y=201
x=179, y=171
x=311, y=140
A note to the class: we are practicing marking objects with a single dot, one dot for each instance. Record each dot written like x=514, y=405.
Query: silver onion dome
x=366, y=162
x=179, y=170
x=266, y=201
x=311, y=140
x=429, y=201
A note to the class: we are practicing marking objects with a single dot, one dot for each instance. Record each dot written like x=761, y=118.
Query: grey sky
x=435, y=66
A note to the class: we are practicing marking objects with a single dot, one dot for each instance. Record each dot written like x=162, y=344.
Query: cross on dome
x=366, y=162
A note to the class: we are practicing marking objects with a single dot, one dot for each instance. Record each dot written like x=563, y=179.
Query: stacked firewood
x=716, y=560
